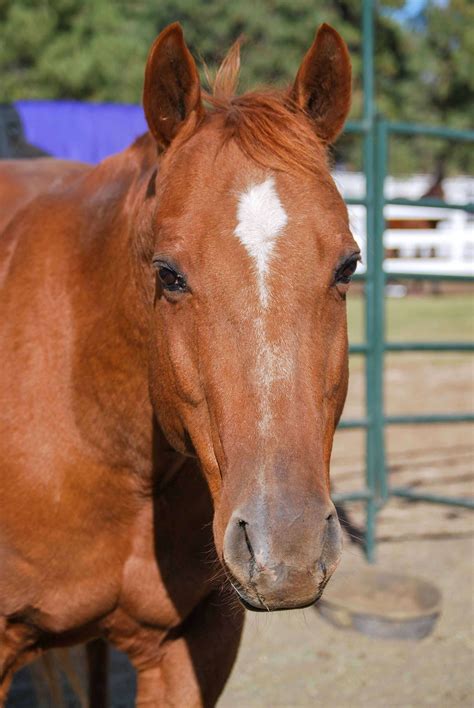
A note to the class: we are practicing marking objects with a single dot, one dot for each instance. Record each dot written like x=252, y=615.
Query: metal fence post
x=370, y=295
x=378, y=312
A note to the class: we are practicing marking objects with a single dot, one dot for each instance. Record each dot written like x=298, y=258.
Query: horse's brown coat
x=129, y=413
x=21, y=180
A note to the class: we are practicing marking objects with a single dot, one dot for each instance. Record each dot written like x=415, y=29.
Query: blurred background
x=402, y=469
x=95, y=51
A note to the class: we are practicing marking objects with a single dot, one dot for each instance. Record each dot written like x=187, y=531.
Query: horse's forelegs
x=4, y=688
x=97, y=665
x=194, y=664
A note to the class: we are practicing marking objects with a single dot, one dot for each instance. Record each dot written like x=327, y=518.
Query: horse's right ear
x=172, y=90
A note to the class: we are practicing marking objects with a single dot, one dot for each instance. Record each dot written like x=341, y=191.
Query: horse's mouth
x=260, y=605
x=259, y=608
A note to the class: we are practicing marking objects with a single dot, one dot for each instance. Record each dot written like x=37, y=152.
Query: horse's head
x=253, y=256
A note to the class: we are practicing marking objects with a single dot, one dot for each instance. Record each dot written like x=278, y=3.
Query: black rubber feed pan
x=381, y=604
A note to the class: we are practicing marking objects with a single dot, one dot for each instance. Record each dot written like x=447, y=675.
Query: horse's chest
x=57, y=588
x=149, y=558
x=62, y=559
x=167, y=573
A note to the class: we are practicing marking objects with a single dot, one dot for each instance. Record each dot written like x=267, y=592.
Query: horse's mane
x=266, y=125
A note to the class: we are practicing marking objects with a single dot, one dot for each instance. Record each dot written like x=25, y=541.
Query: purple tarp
x=81, y=131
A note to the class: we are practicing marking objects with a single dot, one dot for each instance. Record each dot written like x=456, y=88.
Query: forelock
x=267, y=126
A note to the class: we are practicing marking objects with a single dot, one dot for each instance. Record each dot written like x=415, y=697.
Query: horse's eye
x=347, y=270
x=170, y=279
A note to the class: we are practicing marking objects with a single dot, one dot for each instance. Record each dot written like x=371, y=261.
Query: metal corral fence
x=375, y=133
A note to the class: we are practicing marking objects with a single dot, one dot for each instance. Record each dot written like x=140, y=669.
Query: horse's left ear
x=322, y=86
x=172, y=90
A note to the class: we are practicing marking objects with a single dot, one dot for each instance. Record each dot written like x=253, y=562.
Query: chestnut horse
x=174, y=364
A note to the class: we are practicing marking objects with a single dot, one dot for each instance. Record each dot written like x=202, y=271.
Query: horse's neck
x=111, y=377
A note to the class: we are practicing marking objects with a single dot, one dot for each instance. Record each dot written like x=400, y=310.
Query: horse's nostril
x=243, y=525
x=330, y=517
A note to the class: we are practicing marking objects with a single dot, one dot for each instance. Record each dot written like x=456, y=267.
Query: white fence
x=447, y=249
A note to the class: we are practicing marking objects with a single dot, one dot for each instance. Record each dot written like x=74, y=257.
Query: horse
x=175, y=362
x=22, y=180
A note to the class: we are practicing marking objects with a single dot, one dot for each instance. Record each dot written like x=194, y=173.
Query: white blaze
x=261, y=219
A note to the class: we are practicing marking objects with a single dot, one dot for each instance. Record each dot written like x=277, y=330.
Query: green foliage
x=96, y=50
x=445, y=71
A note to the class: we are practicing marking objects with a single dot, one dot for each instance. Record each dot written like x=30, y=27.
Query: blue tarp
x=81, y=131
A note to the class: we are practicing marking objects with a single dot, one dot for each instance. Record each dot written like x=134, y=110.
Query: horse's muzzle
x=285, y=568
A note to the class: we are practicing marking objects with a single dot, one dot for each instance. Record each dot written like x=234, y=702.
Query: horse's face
x=249, y=346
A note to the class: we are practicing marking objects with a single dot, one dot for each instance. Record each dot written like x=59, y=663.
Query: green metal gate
x=375, y=133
